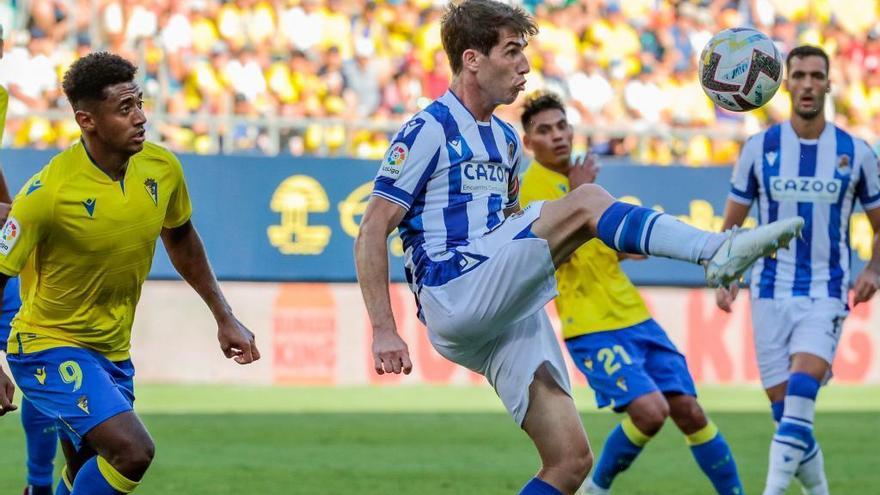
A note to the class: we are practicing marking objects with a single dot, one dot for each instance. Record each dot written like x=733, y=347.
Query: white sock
x=672, y=238
x=811, y=474
x=800, y=408
x=590, y=488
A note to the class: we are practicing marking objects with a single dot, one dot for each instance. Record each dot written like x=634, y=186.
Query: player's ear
x=470, y=59
x=85, y=120
x=527, y=141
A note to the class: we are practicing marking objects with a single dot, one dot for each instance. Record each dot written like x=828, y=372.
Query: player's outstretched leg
x=707, y=444
x=42, y=440
x=553, y=423
x=125, y=451
x=794, y=435
x=811, y=471
x=645, y=417
x=589, y=211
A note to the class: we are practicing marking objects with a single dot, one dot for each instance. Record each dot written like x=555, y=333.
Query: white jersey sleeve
x=409, y=162
x=868, y=187
x=744, y=182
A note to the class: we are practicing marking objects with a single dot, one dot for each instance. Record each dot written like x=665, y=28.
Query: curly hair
x=89, y=76
x=477, y=24
x=537, y=103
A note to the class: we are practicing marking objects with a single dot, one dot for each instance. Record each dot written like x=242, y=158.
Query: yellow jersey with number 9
x=594, y=293
x=84, y=243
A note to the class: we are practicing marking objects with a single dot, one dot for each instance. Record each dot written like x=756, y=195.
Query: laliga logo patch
x=9, y=236
x=394, y=160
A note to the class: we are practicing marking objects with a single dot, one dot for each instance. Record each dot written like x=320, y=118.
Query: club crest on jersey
x=770, y=156
x=153, y=190
x=843, y=164
x=394, y=160
x=511, y=151
x=9, y=235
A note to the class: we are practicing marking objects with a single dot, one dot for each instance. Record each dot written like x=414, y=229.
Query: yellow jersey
x=4, y=105
x=594, y=293
x=83, y=244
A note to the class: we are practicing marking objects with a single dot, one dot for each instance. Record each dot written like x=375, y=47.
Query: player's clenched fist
x=7, y=391
x=390, y=354
x=237, y=342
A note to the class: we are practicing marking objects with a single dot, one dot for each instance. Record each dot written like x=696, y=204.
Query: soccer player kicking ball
x=627, y=358
x=39, y=429
x=482, y=269
x=82, y=233
x=807, y=168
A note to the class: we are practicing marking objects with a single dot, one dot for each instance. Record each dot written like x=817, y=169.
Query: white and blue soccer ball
x=740, y=69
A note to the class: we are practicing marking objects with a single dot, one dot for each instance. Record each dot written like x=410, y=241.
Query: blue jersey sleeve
x=868, y=187
x=744, y=183
x=409, y=162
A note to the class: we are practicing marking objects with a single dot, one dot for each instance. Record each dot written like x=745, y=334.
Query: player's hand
x=583, y=170
x=866, y=285
x=390, y=353
x=237, y=342
x=724, y=297
x=5, y=208
x=7, y=393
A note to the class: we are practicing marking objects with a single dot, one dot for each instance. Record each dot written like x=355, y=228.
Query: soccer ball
x=740, y=69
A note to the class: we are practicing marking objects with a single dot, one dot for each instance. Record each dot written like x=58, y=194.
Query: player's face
x=807, y=83
x=549, y=137
x=502, y=73
x=119, y=119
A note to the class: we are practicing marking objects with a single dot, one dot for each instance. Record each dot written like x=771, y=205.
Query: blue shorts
x=622, y=365
x=79, y=387
x=11, y=305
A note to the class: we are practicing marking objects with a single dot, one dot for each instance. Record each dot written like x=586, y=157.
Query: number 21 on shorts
x=608, y=357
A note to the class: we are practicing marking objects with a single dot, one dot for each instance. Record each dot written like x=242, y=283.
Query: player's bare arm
x=868, y=281
x=187, y=254
x=390, y=352
x=734, y=216
x=7, y=388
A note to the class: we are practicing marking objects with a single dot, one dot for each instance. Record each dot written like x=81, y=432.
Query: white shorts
x=492, y=319
x=784, y=327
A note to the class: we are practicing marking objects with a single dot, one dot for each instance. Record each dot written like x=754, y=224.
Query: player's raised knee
x=687, y=414
x=589, y=201
x=134, y=458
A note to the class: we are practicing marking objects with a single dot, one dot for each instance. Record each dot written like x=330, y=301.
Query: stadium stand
x=334, y=77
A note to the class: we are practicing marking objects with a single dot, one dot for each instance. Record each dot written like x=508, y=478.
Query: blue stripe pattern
x=803, y=269
x=648, y=235
x=767, y=282
x=488, y=138
x=751, y=191
x=412, y=232
x=845, y=147
x=455, y=215
x=633, y=227
x=610, y=222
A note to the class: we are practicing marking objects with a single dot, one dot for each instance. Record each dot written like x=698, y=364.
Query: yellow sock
x=115, y=478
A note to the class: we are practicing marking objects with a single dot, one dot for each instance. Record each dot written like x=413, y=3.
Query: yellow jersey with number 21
x=594, y=293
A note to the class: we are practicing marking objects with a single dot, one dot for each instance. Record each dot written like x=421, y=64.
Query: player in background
x=482, y=269
x=39, y=429
x=628, y=359
x=810, y=168
x=82, y=233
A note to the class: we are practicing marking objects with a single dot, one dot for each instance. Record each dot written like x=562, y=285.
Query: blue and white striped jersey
x=819, y=180
x=454, y=176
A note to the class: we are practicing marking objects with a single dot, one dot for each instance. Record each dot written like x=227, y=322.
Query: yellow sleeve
x=4, y=104
x=27, y=225
x=179, y=206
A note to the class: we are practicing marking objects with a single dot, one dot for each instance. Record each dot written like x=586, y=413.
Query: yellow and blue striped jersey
x=84, y=243
x=594, y=293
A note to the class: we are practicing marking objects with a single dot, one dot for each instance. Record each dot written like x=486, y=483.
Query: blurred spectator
x=337, y=77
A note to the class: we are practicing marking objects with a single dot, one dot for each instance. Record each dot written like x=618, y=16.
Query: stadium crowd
x=336, y=76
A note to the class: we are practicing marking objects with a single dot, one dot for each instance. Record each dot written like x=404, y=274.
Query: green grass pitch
x=426, y=440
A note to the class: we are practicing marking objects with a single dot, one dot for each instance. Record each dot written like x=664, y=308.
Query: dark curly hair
x=537, y=103
x=89, y=76
x=477, y=24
